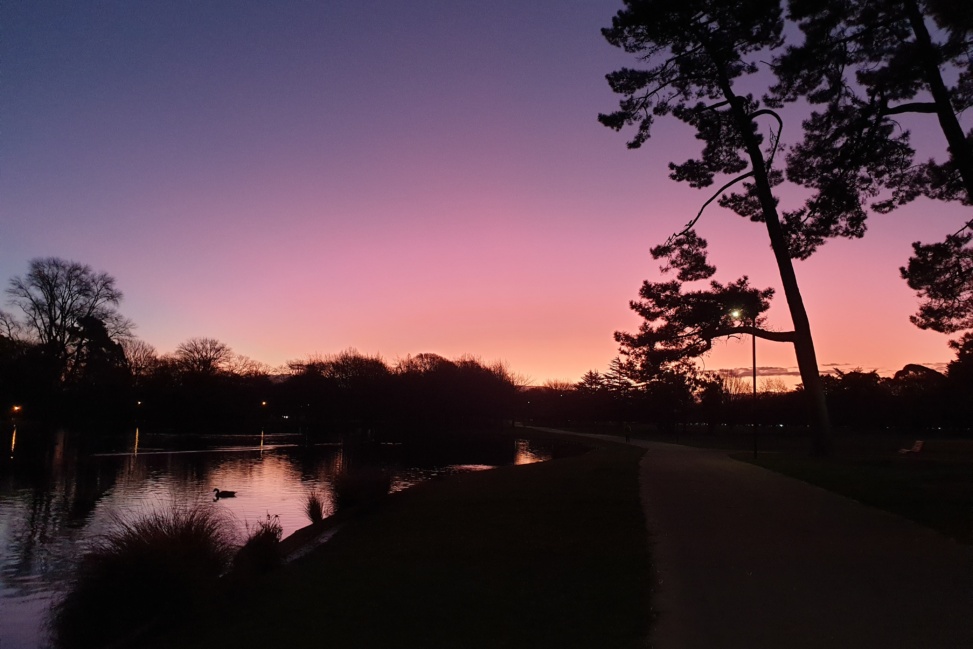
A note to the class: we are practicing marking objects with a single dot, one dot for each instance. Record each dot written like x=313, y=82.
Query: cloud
x=746, y=372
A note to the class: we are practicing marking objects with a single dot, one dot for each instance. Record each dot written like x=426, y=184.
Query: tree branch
x=911, y=107
x=776, y=336
x=711, y=199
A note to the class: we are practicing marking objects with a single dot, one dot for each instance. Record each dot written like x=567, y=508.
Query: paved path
x=748, y=558
x=745, y=557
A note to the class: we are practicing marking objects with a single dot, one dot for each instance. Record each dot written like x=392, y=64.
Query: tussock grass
x=156, y=567
x=261, y=551
x=314, y=507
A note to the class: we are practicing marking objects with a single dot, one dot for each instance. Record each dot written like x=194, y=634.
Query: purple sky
x=303, y=177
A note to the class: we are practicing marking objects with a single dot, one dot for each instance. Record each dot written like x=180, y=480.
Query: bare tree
x=246, y=366
x=557, y=385
x=204, y=356
x=9, y=327
x=141, y=357
x=734, y=386
x=773, y=385
x=57, y=297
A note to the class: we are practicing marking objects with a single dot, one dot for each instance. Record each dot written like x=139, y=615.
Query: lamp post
x=737, y=314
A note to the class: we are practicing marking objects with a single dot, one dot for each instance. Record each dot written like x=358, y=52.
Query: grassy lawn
x=543, y=555
x=934, y=488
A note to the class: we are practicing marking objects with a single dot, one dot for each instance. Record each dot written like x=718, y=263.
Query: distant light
x=263, y=403
x=735, y=313
x=16, y=408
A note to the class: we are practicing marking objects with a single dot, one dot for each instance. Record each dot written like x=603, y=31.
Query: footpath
x=748, y=558
x=745, y=557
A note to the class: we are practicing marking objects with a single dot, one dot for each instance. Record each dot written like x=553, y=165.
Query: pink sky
x=301, y=177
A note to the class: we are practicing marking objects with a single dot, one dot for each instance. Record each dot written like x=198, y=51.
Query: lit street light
x=737, y=314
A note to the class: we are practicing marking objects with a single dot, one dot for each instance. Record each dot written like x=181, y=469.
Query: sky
x=303, y=177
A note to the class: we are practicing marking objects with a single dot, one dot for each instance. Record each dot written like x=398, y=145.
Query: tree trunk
x=803, y=342
x=959, y=149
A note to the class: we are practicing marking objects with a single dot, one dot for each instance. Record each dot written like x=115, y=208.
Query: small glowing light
x=735, y=313
x=16, y=408
x=263, y=403
x=13, y=443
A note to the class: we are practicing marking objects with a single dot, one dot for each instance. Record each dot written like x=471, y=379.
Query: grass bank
x=543, y=555
x=934, y=488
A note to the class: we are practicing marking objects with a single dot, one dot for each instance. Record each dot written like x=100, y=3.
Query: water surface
x=59, y=491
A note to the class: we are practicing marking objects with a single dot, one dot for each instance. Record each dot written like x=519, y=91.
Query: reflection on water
x=57, y=493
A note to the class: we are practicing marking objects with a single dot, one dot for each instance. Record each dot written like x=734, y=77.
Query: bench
x=915, y=450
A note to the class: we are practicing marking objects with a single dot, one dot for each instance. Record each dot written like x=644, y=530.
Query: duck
x=217, y=494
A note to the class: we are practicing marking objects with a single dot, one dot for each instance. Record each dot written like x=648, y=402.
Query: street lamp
x=737, y=314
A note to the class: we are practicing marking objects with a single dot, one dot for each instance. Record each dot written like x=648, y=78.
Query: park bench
x=915, y=450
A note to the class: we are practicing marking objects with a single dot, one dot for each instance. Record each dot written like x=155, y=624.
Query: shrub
x=159, y=566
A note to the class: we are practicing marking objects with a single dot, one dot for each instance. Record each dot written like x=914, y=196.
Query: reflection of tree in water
x=50, y=494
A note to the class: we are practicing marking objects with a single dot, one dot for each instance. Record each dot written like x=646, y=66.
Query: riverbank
x=544, y=555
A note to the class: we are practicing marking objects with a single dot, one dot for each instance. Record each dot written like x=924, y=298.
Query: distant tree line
x=68, y=355
x=916, y=398
x=71, y=357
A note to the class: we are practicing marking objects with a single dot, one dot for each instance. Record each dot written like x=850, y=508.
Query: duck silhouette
x=217, y=494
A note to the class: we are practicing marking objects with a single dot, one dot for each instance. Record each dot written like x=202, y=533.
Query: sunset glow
x=297, y=177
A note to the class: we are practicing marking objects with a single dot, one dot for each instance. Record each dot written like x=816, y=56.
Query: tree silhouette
x=697, y=52
x=61, y=301
x=141, y=358
x=203, y=356
x=682, y=325
x=868, y=63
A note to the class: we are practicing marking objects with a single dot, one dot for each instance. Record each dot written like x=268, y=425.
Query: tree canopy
x=867, y=64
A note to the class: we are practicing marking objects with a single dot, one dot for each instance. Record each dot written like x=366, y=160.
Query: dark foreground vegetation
x=551, y=554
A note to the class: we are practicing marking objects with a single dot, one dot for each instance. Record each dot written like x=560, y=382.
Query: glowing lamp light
x=735, y=314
